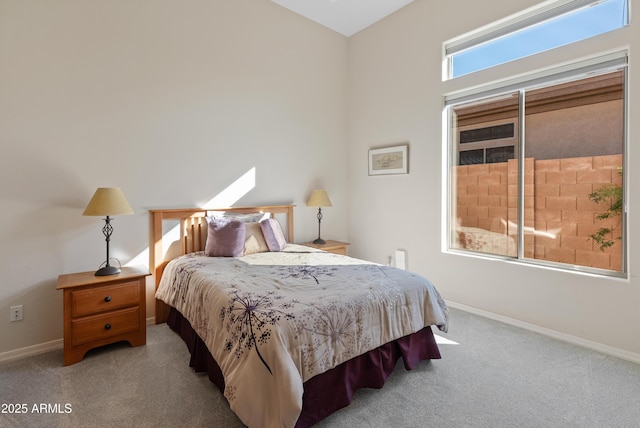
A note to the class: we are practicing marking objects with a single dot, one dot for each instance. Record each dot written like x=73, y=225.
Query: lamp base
x=319, y=241
x=107, y=270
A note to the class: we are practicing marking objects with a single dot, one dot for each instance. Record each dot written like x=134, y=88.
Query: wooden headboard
x=192, y=236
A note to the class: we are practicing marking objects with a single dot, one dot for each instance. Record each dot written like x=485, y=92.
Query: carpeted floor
x=491, y=375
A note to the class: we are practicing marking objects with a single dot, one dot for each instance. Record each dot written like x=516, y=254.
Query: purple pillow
x=273, y=234
x=225, y=238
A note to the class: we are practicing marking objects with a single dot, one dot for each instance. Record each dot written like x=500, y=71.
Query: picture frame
x=389, y=160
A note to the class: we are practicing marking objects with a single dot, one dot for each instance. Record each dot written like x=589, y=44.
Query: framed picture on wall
x=389, y=160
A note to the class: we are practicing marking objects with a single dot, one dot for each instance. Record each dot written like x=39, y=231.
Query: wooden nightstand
x=336, y=247
x=99, y=310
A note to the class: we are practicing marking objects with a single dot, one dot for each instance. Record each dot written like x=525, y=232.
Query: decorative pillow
x=244, y=218
x=273, y=234
x=225, y=238
x=254, y=240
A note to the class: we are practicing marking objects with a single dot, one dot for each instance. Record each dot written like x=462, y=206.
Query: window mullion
x=520, y=157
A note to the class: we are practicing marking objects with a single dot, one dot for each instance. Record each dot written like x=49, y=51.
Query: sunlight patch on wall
x=225, y=199
x=234, y=192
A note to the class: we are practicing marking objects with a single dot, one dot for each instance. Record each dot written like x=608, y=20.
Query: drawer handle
x=107, y=326
x=107, y=299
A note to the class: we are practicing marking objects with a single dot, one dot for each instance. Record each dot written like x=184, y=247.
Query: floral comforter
x=274, y=320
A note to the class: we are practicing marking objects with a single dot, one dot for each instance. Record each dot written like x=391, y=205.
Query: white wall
x=174, y=101
x=170, y=100
x=396, y=95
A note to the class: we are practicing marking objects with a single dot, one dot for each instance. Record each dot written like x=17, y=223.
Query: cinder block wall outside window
x=559, y=216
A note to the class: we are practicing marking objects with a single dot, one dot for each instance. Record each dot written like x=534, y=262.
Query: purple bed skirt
x=334, y=389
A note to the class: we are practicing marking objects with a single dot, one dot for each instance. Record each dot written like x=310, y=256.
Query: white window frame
x=550, y=76
x=530, y=17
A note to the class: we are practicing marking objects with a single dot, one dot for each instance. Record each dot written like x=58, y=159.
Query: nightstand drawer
x=106, y=298
x=93, y=329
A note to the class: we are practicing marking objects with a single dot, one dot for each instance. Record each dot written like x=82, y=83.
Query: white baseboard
x=31, y=350
x=599, y=347
x=42, y=347
x=594, y=346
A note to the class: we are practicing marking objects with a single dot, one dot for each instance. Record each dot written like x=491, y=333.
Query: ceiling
x=344, y=16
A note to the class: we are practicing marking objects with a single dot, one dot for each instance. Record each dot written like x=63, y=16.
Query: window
x=487, y=143
x=536, y=167
x=535, y=31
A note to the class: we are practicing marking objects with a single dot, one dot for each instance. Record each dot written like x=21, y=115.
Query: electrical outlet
x=15, y=313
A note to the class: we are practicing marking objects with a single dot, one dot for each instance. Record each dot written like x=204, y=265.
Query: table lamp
x=319, y=198
x=108, y=201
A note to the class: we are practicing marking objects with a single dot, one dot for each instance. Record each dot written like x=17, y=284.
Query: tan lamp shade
x=108, y=201
x=319, y=198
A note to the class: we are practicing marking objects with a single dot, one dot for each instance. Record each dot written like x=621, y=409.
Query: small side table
x=336, y=247
x=99, y=310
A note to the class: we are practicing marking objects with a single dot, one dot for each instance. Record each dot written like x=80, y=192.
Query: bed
x=288, y=334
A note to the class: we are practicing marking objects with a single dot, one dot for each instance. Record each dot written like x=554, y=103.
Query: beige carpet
x=491, y=375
